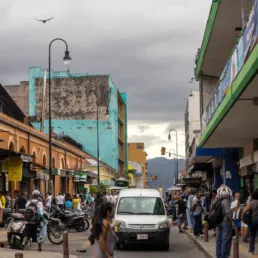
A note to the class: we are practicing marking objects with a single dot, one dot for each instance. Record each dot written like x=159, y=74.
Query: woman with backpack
x=197, y=211
x=226, y=225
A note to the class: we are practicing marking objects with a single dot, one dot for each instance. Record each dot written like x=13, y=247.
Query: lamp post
x=174, y=157
x=67, y=60
x=169, y=138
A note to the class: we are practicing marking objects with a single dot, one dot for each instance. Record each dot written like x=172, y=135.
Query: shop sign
x=63, y=173
x=26, y=158
x=81, y=177
x=15, y=169
x=94, y=181
x=70, y=173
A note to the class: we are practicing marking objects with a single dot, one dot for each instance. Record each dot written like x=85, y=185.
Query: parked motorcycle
x=84, y=214
x=70, y=220
x=55, y=229
x=15, y=227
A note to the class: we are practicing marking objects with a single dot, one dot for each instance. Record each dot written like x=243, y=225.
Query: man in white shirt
x=60, y=200
x=113, y=198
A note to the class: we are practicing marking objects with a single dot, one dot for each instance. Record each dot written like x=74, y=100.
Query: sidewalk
x=7, y=253
x=209, y=248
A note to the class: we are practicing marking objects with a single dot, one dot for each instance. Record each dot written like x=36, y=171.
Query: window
x=62, y=163
x=141, y=205
x=11, y=146
x=22, y=150
x=53, y=163
x=139, y=146
x=44, y=162
x=34, y=156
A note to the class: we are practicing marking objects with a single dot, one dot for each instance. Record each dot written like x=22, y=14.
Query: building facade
x=77, y=101
x=226, y=68
x=137, y=155
x=192, y=121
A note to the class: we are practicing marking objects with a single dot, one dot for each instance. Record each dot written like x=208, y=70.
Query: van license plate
x=142, y=236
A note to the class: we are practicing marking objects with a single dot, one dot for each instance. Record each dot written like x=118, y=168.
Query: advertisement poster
x=225, y=79
x=240, y=54
x=250, y=33
x=15, y=169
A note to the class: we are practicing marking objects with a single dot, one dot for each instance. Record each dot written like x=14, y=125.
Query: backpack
x=31, y=212
x=216, y=215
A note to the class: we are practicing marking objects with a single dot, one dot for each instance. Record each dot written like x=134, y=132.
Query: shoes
x=181, y=231
x=251, y=253
x=190, y=231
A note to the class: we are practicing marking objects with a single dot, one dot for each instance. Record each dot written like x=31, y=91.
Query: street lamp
x=107, y=116
x=67, y=60
x=169, y=138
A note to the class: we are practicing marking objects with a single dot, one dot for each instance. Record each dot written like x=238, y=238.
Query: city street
x=77, y=241
x=180, y=247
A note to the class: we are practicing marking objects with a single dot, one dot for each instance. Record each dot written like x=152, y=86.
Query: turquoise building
x=75, y=99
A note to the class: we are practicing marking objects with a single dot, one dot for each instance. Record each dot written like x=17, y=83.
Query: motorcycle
x=15, y=227
x=70, y=220
x=55, y=229
x=84, y=214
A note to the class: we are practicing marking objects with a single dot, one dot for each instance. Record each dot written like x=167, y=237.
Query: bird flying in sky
x=44, y=21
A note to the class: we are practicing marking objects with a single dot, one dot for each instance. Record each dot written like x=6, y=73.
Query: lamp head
x=169, y=137
x=67, y=59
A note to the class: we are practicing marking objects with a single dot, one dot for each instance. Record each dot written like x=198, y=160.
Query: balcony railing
x=242, y=50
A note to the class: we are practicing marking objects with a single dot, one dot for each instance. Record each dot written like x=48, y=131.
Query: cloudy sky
x=148, y=47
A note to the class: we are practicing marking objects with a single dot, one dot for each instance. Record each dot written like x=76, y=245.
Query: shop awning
x=55, y=171
x=81, y=177
x=201, y=167
x=203, y=155
x=92, y=174
x=192, y=180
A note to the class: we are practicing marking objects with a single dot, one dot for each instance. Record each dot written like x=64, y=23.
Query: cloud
x=147, y=46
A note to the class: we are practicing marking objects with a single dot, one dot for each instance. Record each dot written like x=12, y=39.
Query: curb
x=199, y=245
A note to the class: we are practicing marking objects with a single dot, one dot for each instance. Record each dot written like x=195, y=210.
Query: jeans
x=253, y=227
x=197, y=224
x=190, y=221
x=224, y=239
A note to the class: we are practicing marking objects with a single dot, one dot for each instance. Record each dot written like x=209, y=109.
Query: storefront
x=80, y=179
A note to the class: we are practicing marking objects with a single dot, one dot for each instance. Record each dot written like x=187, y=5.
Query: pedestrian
x=252, y=208
x=235, y=207
x=21, y=202
x=99, y=200
x=189, y=214
x=60, y=200
x=181, y=210
x=2, y=199
x=224, y=229
x=102, y=233
x=113, y=198
x=8, y=200
x=33, y=214
x=172, y=207
x=76, y=203
x=68, y=204
x=197, y=211
x=48, y=201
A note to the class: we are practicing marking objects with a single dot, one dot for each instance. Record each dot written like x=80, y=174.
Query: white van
x=140, y=217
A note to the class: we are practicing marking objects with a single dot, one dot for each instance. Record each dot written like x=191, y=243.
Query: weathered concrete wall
x=79, y=91
x=75, y=98
x=20, y=94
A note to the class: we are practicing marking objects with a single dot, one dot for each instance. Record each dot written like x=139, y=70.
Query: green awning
x=80, y=177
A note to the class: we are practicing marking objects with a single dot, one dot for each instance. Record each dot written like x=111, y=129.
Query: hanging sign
x=15, y=169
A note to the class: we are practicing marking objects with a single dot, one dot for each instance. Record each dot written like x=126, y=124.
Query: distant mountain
x=165, y=170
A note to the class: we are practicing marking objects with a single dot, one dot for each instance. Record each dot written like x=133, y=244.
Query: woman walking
x=253, y=220
x=102, y=232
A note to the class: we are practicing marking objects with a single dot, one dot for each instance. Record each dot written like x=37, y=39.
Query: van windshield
x=141, y=206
